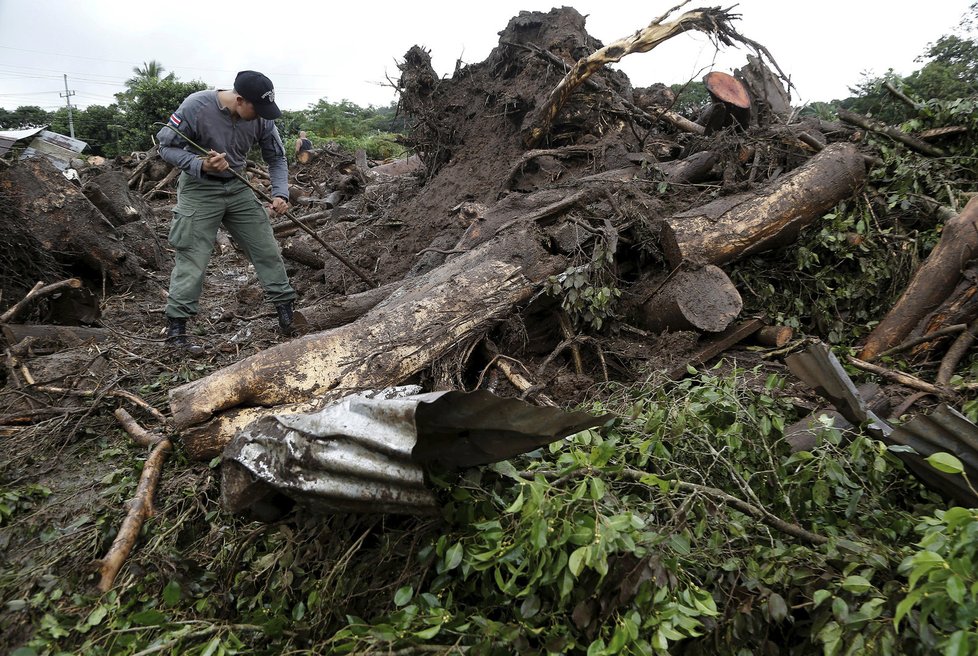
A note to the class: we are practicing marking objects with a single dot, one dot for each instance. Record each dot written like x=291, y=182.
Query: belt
x=216, y=178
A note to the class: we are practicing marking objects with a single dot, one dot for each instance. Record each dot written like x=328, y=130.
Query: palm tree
x=152, y=70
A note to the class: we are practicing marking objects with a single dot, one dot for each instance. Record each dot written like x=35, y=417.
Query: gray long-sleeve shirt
x=203, y=120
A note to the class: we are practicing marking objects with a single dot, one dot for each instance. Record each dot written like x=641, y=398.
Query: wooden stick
x=873, y=125
x=565, y=328
x=38, y=291
x=520, y=382
x=954, y=354
x=117, y=393
x=901, y=378
x=140, y=508
x=167, y=179
x=921, y=339
x=141, y=436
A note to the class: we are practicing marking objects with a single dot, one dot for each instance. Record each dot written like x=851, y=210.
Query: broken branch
x=140, y=508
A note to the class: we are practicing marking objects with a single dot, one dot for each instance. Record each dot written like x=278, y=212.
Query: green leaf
x=429, y=633
x=856, y=584
x=530, y=606
x=906, y=605
x=576, y=561
x=151, y=617
x=945, y=462
x=957, y=644
x=819, y=597
x=453, y=557
x=211, y=646
x=403, y=596
x=171, y=593
x=777, y=609
x=96, y=616
x=956, y=589
x=516, y=505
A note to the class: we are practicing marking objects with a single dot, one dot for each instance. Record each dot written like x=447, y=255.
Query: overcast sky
x=348, y=50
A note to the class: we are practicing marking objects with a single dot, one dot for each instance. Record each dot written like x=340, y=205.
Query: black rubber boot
x=285, y=314
x=176, y=332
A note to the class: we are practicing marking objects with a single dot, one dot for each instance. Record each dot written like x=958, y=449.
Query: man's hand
x=214, y=162
x=280, y=205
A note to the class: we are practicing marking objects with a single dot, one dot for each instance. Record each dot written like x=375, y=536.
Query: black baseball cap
x=258, y=90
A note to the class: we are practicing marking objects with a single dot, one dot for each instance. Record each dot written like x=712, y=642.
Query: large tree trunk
x=419, y=322
x=735, y=226
x=931, y=284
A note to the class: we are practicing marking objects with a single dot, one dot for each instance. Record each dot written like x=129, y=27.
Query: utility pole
x=67, y=96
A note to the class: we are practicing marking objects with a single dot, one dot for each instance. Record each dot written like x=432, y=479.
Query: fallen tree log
x=423, y=319
x=302, y=253
x=931, y=284
x=109, y=192
x=343, y=310
x=732, y=227
x=701, y=299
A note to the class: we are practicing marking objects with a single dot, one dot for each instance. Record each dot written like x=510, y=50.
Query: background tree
x=150, y=100
x=26, y=116
x=152, y=70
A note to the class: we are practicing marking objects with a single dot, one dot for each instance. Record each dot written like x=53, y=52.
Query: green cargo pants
x=202, y=206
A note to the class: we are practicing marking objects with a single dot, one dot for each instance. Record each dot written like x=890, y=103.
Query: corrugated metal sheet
x=943, y=430
x=57, y=148
x=9, y=137
x=366, y=452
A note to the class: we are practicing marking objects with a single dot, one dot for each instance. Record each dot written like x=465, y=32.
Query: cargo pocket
x=182, y=228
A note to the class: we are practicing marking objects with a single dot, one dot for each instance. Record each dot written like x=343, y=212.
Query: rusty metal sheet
x=367, y=452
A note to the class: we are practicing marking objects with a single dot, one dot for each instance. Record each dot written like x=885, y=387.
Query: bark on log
x=695, y=168
x=303, y=254
x=421, y=321
x=773, y=336
x=732, y=227
x=109, y=192
x=343, y=310
x=960, y=307
x=931, y=284
x=62, y=335
x=701, y=299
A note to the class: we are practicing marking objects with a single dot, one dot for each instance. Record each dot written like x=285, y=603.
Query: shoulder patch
x=175, y=120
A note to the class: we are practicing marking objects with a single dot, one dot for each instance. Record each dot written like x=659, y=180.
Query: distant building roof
x=9, y=137
x=56, y=147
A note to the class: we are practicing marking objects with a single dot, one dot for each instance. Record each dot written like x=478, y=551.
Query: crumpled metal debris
x=943, y=430
x=366, y=453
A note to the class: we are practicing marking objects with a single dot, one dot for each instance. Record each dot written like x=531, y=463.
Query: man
x=302, y=144
x=228, y=122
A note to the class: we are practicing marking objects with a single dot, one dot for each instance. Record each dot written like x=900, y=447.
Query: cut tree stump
x=931, y=284
x=702, y=299
x=732, y=227
x=423, y=319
